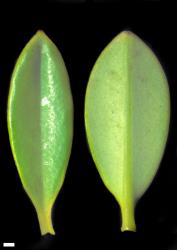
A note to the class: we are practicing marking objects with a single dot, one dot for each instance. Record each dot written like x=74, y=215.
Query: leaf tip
x=127, y=34
x=40, y=33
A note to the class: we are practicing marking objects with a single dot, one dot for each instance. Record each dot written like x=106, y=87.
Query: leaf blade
x=113, y=119
x=40, y=123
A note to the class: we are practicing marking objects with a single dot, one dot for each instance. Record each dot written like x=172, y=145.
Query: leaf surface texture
x=127, y=111
x=40, y=123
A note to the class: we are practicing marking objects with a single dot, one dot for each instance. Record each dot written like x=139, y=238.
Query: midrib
x=127, y=190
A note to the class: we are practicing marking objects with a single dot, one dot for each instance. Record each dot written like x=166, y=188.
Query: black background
x=85, y=213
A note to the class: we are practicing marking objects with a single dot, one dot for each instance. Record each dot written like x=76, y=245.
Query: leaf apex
x=127, y=34
x=40, y=33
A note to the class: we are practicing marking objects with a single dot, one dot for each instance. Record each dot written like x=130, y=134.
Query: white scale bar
x=8, y=244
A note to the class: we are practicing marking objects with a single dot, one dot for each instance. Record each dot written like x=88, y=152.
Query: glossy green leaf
x=40, y=123
x=127, y=110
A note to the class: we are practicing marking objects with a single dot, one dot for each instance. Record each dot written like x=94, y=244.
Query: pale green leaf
x=127, y=110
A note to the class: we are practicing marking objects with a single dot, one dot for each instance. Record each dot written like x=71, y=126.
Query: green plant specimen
x=127, y=111
x=40, y=123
